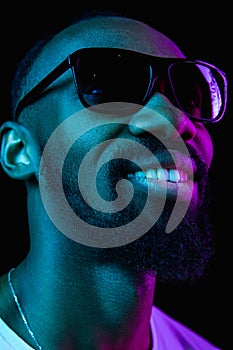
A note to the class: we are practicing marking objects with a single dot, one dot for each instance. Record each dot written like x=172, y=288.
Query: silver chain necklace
x=21, y=311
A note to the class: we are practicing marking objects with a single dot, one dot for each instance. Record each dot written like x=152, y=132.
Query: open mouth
x=168, y=182
x=160, y=174
x=167, y=173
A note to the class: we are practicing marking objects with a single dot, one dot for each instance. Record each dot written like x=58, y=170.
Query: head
x=150, y=117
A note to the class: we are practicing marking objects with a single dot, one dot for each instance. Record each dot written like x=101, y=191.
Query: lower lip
x=183, y=191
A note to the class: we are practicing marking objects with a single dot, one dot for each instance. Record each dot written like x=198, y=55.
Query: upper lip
x=164, y=159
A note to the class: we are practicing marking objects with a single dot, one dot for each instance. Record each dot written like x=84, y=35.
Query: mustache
x=202, y=169
x=119, y=167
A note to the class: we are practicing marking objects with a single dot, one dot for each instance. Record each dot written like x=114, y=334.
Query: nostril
x=137, y=129
x=186, y=127
x=154, y=121
x=162, y=119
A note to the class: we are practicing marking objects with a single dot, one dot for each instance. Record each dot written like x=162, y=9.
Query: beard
x=184, y=254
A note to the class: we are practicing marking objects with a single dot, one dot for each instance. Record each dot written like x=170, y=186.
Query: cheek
x=205, y=145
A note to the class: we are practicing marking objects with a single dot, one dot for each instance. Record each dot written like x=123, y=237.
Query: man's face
x=162, y=131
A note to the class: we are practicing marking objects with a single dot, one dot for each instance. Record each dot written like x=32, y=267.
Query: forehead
x=114, y=32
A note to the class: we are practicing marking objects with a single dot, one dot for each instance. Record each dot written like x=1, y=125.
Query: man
x=130, y=113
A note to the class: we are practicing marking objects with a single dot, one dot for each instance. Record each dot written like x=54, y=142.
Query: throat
x=108, y=306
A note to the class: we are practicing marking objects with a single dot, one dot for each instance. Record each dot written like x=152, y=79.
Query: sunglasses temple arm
x=41, y=86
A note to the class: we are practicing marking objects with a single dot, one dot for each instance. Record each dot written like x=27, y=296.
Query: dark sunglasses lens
x=112, y=76
x=199, y=90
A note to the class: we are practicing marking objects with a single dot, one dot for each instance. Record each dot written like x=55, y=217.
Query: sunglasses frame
x=71, y=60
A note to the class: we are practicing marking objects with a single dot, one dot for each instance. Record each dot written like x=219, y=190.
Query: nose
x=162, y=118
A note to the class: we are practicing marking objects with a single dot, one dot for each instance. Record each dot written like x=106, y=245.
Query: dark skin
x=63, y=285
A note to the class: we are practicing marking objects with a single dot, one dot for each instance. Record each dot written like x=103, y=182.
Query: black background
x=203, y=32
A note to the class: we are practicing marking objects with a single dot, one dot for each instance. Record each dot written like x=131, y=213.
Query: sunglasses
x=104, y=75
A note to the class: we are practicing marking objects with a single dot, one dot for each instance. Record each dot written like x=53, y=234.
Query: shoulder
x=172, y=334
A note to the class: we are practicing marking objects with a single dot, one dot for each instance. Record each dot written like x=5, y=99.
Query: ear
x=18, y=157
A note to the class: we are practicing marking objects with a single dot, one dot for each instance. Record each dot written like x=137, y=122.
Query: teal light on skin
x=65, y=286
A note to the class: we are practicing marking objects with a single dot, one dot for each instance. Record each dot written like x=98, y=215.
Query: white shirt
x=167, y=334
x=9, y=340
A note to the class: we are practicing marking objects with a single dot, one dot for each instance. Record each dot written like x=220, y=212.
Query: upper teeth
x=172, y=175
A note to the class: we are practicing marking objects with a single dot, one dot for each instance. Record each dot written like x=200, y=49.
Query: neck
x=72, y=299
x=109, y=306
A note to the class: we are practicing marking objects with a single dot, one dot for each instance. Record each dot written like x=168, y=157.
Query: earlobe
x=17, y=159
